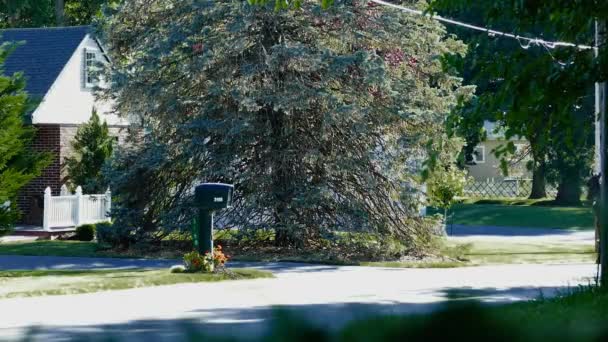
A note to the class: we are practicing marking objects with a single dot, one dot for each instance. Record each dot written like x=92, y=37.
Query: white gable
x=69, y=101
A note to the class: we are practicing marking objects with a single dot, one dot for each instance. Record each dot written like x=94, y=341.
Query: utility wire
x=527, y=41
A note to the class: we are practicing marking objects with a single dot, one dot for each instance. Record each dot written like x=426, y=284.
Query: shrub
x=8, y=215
x=366, y=246
x=219, y=258
x=92, y=146
x=178, y=269
x=195, y=262
x=246, y=238
x=114, y=236
x=85, y=232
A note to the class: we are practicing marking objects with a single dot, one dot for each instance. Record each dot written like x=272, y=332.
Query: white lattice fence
x=74, y=210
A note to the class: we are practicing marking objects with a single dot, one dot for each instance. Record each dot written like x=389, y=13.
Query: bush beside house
x=85, y=232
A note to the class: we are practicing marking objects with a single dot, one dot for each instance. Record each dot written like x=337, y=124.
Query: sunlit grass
x=493, y=252
x=62, y=282
x=54, y=248
x=77, y=249
x=480, y=253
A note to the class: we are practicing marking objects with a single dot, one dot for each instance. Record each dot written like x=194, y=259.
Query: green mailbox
x=209, y=197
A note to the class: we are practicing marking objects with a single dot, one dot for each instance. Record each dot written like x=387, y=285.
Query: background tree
x=320, y=118
x=18, y=164
x=46, y=13
x=83, y=12
x=92, y=147
x=537, y=93
x=26, y=13
x=445, y=181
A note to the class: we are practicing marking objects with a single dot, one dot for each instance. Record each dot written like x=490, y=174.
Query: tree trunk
x=283, y=238
x=538, y=182
x=569, y=191
x=281, y=177
x=59, y=12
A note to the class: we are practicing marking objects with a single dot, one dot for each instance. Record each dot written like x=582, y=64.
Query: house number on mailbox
x=218, y=199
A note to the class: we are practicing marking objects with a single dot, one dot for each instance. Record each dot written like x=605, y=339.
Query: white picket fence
x=73, y=210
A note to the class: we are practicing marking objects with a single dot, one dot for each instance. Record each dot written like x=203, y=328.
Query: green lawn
x=526, y=215
x=489, y=253
x=51, y=248
x=41, y=283
x=75, y=249
x=493, y=253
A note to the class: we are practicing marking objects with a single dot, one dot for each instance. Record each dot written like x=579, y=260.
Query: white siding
x=68, y=101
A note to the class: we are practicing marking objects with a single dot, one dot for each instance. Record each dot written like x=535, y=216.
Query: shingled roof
x=43, y=55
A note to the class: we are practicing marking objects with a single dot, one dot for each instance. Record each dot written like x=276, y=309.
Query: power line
x=527, y=40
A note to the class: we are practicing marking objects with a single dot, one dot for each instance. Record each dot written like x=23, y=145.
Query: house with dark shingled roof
x=57, y=64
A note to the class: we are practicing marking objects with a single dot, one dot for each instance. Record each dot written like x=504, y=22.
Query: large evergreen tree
x=92, y=147
x=18, y=164
x=319, y=117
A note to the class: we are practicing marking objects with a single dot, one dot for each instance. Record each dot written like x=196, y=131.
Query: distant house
x=57, y=65
x=486, y=167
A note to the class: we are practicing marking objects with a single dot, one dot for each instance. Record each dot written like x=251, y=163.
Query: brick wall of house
x=56, y=139
x=31, y=198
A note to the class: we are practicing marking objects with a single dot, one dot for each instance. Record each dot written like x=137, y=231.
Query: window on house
x=90, y=63
x=479, y=154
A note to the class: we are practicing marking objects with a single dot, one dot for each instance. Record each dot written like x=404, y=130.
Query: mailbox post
x=210, y=197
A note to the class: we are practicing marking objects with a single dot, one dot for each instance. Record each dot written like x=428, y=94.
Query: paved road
x=329, y=296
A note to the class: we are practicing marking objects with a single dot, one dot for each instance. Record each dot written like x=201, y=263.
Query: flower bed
x=209, y=262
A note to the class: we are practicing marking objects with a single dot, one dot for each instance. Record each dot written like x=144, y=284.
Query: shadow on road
x=256, y=323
